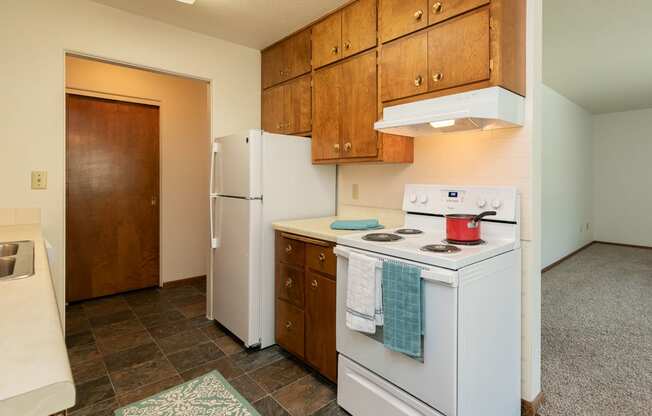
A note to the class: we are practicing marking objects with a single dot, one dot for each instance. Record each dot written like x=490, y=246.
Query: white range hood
x=485, y=109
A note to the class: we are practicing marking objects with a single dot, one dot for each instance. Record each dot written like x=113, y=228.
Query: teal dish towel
x=402, y=305
x=356, y=225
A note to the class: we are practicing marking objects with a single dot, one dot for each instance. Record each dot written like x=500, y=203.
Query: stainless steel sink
x=16, y=259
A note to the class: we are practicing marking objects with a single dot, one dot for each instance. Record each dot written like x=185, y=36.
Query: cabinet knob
x=335, y=50
x=322, y=257
x=314, y=284
x=289, y=282
x=437, y=7
x=347, y=45
x=279, y=126
x=336, y=146
x=288, y=325
x=347, y=147
x=418, y=81
x=438, y=77
x=418, y=14
x=288, y=249
x=280, y=73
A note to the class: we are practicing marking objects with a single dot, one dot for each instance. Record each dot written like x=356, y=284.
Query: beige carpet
x=597, y=333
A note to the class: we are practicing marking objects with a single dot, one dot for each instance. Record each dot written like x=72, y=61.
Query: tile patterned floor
x=127, y=347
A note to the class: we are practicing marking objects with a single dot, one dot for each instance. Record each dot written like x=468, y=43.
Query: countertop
x=318, y=228
x=35, y=376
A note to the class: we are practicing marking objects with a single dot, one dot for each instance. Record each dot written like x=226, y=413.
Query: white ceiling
x=253, y=23
x=598, y=53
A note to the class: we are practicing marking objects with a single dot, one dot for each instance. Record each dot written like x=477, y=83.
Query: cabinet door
x=297, y=53
x=289, y=284
x=272, y=66
x=273, y=109
x=451, y=65
x=439, y=10
x=404, y=67
x=290, y=328
x=298, y=109
x=358, y=27
x=400, y=17
x=320, y=324
x=326, y=113
x=359, y=110
x=327, y=40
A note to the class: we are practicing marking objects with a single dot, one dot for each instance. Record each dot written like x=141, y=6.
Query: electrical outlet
x=39, y=179
x=355, y=191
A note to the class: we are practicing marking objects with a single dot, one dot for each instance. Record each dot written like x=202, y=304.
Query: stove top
x=427, y=247
x=409, y=231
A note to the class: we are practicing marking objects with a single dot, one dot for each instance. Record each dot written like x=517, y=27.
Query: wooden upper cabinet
x=286, y=60
x=287, y=107
x=326, y=113
x=404, y=67
x=358, y=27
x=400, y=17
x=359, y=99
x=327, y=40
x=451, y=65
x=272, y=65
x=273, y=117
x=440, y=10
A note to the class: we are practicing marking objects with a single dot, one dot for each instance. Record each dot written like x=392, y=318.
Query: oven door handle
x=440, y=276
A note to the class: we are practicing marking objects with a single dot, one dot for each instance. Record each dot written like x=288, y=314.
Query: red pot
x=465, y=228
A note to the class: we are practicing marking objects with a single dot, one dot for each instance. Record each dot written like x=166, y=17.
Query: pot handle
x=476, y=220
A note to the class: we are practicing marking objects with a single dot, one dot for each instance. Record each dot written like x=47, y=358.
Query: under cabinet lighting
x=443, y=123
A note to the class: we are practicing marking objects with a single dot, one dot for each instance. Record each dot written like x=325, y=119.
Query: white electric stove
x=471, y=341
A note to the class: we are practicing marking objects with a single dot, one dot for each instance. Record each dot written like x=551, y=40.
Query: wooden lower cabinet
x=305, y=301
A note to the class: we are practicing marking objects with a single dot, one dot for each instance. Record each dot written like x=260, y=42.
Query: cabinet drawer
x=452, y=66
x=290, y=251
x=321, y=259
x=289, y=284
x=440, y=10
x=290, y=328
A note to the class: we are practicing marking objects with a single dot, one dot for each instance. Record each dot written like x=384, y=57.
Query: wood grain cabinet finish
x=305, y=302
x=273, y=109
x=404, y=67
x=286, y=60
x=451, y=65
x=400, y=17
x=345, y=109
x=440, y=10
x=290, y=251
x=286, y=108
x=320, y=324
x=344, y=33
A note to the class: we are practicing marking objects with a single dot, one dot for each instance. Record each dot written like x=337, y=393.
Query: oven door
x=433, y=380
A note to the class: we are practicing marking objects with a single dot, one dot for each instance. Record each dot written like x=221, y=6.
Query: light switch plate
x=39, y=179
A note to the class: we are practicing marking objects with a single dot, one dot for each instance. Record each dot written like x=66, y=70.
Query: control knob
x=495, y=204
x=482, y=203
x=423, y=199
x=413, y=198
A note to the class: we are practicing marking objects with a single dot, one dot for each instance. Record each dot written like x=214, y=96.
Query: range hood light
x=443, y=123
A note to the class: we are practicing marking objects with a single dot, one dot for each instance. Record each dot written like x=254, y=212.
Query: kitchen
x=497, y=158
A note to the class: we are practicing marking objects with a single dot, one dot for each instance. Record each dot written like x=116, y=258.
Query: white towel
x=362, y=294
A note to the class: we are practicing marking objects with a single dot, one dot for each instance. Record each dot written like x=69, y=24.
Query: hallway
x=597, y=333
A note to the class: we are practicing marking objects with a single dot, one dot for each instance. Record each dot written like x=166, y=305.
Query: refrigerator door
x=236, y=266
x=236, y=165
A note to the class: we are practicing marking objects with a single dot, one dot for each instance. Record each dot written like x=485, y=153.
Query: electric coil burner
x=441, y=248
x=465, y=243
x=408, y=231
x=382, y=237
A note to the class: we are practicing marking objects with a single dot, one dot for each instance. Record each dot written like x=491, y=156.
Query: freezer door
x=237, y=165
x=236, y=267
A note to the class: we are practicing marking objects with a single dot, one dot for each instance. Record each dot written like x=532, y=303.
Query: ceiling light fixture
x=443, y=123
x=187, y=1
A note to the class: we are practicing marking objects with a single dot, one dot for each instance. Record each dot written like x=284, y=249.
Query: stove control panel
x=444, y=199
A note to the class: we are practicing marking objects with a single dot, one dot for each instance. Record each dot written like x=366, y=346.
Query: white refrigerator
x=257, y=178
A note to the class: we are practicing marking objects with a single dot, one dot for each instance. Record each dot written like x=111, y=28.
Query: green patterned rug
x=208, y=395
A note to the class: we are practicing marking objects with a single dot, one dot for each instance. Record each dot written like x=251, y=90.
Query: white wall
x=623, y=177
x=34, y=36
x=567, y=181
x=509, y=157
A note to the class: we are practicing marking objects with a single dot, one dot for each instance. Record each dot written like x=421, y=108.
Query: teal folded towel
x=356, y=225
x=402, y=305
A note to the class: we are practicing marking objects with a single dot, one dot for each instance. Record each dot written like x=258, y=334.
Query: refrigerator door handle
x=214, y=151
x=215, y=243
